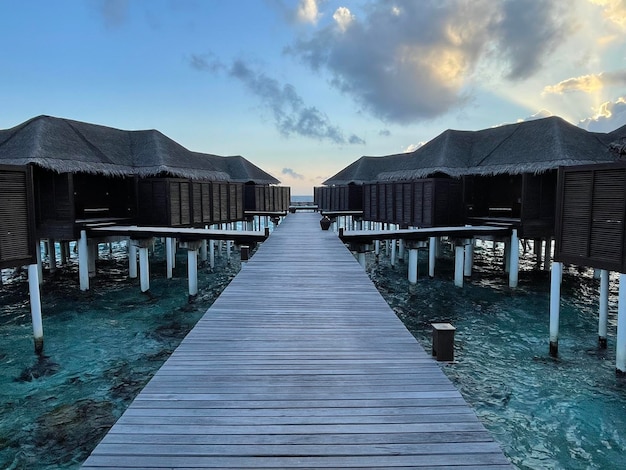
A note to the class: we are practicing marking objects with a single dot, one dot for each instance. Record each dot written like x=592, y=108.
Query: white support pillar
x=192, y=271
x=413, y=256
x=377, y=247
x=361, y=258
x=173, y=248
x=469, y=259
x=547, y=256
x=35, y=307
x=555, y=306
x=432, y=252
x=229, y=245
x=169, y=258
x=620, y=346
x=392, y=255
x=604, y=308
x=401, y=250
x=514, y=263
x=144, y=265
x=83, y=261
x=52, y=255
x=39, y=262
x=212, y=253
x=132, y=260
x=459, y=262
x=92, y=248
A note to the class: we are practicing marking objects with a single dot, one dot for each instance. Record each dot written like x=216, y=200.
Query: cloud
x=291, y=115
x=588, y=83
x=355, y=139
x=384, y=133
x=114, y=12
x=614, y=11
x=307, y=11
x=542, y=113
x=413, y=147
x=417, y=60
x=206, y=63
x=609, y=116
x=292, y=173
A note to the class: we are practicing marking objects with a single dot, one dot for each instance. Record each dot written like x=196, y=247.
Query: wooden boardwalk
x=300, y=363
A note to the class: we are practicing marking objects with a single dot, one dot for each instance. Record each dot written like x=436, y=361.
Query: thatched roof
x=64, y=145
x=526, y=147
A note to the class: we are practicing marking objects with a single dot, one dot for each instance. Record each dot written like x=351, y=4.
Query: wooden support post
x=469, y=259
x=401, y=250
x=35, y=307
x=229, y=245
x=376, y=247
x=174, y=246
x=132, y=260
x=537, y=251
x=169, y=258
x=52, y=255
x=432, y=252
x=83, y=261
x=620, y=346
x=604, y=308
x=204, y=251
x=64, y=250
x=555, y=307
x=144, y=269
x=459, y=263
x=514, y=263
x=392, y=256
x=507, y=256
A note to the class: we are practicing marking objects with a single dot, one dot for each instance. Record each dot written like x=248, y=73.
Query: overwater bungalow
x=504, y=175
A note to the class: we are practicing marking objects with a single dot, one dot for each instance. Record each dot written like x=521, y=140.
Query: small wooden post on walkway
x=35, y=307
x=555, y=306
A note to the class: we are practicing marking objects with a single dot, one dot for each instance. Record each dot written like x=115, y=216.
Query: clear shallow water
x=565, y=413
x=101, y=347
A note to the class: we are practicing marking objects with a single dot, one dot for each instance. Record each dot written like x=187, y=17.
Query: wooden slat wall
x=17, y=238
x=591, y=217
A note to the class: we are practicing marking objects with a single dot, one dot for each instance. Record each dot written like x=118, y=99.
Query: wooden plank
x=299, y=363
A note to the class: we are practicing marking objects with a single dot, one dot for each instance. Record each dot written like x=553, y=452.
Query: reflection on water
x=565, y=413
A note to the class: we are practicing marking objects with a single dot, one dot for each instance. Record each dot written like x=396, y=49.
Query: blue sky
x=303, y=88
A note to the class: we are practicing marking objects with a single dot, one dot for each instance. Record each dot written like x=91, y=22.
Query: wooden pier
x=300, y=363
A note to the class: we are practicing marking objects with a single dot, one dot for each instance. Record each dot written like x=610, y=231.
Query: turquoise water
x=564, y=413
x=102, y=346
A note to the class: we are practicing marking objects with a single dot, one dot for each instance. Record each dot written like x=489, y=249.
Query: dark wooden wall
x=266, y=198
x=17, y=217
x=179, y=202
x=339, y=198
x=591, y=214
x=54, y=204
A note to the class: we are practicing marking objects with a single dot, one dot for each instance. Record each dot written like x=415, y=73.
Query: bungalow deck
x=300, y=363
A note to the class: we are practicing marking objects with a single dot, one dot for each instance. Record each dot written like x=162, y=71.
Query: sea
x=103, y=345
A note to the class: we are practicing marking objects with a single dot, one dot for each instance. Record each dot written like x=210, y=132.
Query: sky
x=302, y=88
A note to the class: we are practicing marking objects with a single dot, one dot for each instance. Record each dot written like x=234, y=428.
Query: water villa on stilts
x=508, y=177
x=67, y=181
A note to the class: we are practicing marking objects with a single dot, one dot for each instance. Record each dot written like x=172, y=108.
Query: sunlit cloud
x=613, y=10
x=588, y=83
x=413, y=147
x=607, y=117
x=343, y=18
x=542, y=113
x=419, y=60
x=308, y=11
